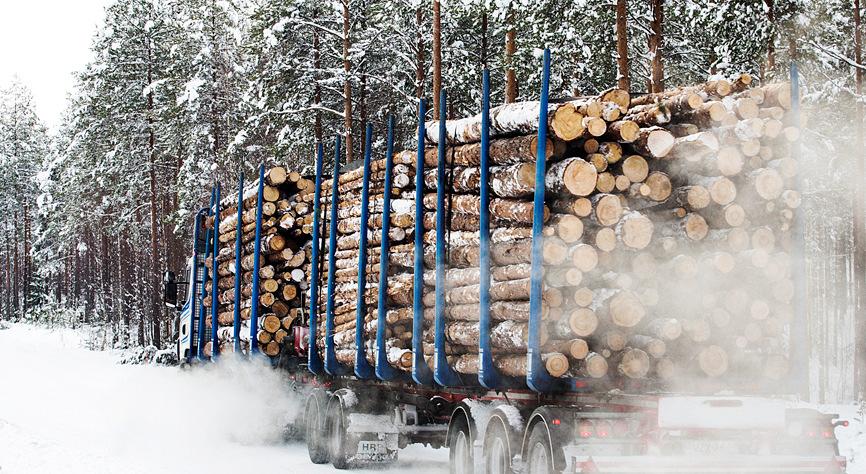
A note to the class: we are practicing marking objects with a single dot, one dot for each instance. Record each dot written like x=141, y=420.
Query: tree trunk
x=347, y=82
x=623, y=81
x=156, y=310
x=655, y=45
x=437, y=56
x=510, y=49
x=771, y=41
x=860, y=203
x=419, y=53
x=317, y=89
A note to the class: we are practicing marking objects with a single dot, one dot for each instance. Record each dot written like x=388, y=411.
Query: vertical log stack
x=283, y=253
x=349, y=228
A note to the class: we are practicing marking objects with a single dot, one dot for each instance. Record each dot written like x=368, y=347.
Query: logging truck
x=594, y=284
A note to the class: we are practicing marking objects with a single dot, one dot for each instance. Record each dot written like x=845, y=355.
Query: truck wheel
x=498, y=453
x=539, y=451
x=315, y=429
x=460, y=446
x=337, y=435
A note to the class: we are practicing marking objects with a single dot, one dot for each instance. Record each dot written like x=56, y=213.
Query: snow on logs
x=667, y=235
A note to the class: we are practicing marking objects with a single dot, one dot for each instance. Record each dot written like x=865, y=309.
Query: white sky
x=43, y=42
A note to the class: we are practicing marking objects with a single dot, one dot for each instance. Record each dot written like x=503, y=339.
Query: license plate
x=371, y=447
x=711, y=447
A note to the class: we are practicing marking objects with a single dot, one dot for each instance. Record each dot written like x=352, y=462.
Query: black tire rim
x=539, y=459
x=462, y=459
x=497, y=458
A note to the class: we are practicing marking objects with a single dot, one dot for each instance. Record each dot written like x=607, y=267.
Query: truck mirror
x=169, y=289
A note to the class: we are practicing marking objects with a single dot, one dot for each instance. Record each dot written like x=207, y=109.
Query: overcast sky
x=43, y=42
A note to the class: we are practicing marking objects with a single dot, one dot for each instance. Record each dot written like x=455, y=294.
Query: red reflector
x=556, y=421
x=588, y=466
x=845, y=423
x=811, y=434
x=828, y=434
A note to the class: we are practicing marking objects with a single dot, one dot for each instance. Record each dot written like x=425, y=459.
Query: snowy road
x=64, y=409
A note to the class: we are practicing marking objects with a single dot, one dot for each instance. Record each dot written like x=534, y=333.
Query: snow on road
x=64, y=409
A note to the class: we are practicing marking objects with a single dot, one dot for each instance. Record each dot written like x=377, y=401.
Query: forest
x=181, y=94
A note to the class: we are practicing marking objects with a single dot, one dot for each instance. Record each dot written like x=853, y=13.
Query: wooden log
x=571, y=176
x=577, y=323
x=511, y=181
x=510, y=365
x=623, y=131
x=655, y=142
x=505, y=209
x=594, y=365
x=634, y=363
x=503, y=151
x=635, y=230
x=606, y=209
x=567, y=227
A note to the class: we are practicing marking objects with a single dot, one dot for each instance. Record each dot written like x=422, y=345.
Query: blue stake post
x=236, y=326
x=537, y=377
x=363, y=369
x=442, y=372
x=254, y=296
x=332, y=366
x=202, y=213
x=201, y=314
x=314, y=362
x=421, y=372
x=799, y=379
x=384, y=371
x=214, y=305
x=488, y=376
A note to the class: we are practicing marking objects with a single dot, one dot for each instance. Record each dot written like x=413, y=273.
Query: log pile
x=666, y=242
x=284, y=251
x=401, y=233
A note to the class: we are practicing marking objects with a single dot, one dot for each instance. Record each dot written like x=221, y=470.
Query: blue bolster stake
x=314, y=362
x=443, y=373
x=421, y=372
x=201, y=313
x=239, y=230
x=537, y=377
x=332, y=366
x=384, y=371
x=363, y=369
x=257, y=253
x=214, y=305
x=488, y=376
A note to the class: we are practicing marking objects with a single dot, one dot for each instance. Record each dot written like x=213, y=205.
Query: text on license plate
x=371, y=447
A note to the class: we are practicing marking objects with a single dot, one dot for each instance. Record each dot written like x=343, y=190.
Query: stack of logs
x=283, y=254
x=667, y=235
x=400, y=237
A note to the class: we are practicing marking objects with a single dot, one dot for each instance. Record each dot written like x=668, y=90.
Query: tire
x=539, y=451
x=460, y=459
x=497, y=449
x=337, y=436
x=315, y=430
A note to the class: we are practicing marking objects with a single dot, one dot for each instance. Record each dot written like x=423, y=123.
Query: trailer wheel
x=337, y=435
x=498, y=445
x=539, y=451
x=460, y=458
x=315, y=428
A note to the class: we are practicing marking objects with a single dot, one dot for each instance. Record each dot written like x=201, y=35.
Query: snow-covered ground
x=64, y=409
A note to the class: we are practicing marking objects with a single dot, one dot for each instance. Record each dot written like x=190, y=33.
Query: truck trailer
x=503, y=407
